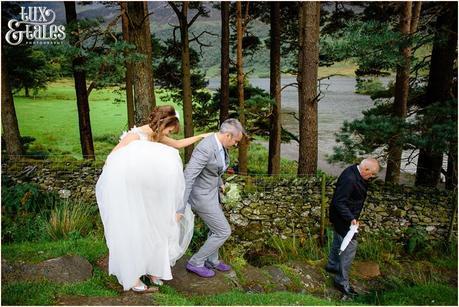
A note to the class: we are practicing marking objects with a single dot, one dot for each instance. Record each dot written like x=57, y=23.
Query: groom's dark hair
x=233, y=126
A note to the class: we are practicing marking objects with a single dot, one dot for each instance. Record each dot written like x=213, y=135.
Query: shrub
x=25, y=198
x=25, y=210
x=71, y=220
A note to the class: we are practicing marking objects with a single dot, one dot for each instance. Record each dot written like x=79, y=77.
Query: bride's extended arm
x=183, y=142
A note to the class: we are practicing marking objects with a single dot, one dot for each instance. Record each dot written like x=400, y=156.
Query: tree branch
x=175, y=8
x=291, y=135
x=294, y=84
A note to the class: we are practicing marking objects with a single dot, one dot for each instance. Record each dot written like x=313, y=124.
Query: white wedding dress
x=138, y=193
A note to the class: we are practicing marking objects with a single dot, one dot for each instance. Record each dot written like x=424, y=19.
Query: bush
x=25, y=210
x=71, y=220
x=25, y=198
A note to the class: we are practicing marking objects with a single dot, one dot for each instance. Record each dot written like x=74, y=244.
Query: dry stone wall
x=260, y=207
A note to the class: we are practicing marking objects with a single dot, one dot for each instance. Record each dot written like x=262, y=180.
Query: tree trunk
x=308, y=64
x=26, y=92
x=128, y=76
x=402, y=84
x=87, y=146
x=275, y=91
x=186, y=79
x=142, y=79
x=224, y=87
x=439, y=88
x=451, y=172
x=243, y=144
x=10, y=126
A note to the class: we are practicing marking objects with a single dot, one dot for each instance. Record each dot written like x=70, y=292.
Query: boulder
x=366, y=269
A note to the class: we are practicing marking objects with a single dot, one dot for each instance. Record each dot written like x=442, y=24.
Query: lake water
x=338, y=103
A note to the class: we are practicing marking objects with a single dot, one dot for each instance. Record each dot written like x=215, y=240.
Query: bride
x=138, y=193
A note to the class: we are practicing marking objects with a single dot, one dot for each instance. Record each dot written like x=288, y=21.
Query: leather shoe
x=331, y=269
x=222, y=267
x=201, y=271
x=349, y=291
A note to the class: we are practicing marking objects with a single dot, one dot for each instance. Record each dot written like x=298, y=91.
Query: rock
x=64, y=193
x=238, y=220
x=191, y=284
x=255, y=279
x=66, y=269
x=281, y=281
x=366, y=269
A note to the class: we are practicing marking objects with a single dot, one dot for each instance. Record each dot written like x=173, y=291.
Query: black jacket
x=348, y=199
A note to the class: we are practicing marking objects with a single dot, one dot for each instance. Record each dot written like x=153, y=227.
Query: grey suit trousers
x=342, y=263
x=220, y=231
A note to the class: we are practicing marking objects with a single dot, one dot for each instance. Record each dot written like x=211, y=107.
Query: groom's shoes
x=201, y=271
x=222, y=267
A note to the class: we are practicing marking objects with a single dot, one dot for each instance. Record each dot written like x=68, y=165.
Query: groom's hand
x=178, y=217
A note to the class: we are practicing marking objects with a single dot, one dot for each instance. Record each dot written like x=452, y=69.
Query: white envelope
x=348, y=238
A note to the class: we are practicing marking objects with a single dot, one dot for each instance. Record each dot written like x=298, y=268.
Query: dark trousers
x=342, y=263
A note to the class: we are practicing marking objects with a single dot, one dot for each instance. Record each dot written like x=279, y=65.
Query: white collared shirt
x=221, y=150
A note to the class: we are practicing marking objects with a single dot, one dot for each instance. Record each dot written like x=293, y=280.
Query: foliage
x=29, y=67
x=432, y=127
x=258, y=105
x=24, y=211
x=35, y=71
x=368, y=86
x=379, y=247
x=167, y=66
x=71, y=220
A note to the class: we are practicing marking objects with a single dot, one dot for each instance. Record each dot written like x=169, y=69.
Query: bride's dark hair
x=160, y=118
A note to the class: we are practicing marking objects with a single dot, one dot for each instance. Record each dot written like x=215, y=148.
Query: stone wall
x=259, y=207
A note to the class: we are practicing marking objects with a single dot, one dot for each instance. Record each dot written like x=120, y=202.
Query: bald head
x=369, y=168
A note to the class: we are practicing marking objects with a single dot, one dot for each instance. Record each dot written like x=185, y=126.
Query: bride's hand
x=178, y=217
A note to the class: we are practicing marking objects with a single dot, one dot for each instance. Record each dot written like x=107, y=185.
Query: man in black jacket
x=345, y=208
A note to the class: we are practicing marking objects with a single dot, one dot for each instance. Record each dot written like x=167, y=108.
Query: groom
x=203, y=181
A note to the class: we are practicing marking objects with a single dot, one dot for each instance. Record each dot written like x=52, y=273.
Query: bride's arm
x=183, y=142
x=126, y=140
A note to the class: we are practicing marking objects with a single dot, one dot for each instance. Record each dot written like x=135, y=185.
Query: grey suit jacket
x=203, y=175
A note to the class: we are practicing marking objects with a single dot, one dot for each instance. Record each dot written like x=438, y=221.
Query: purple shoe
x=201, y=271
x=222, y=267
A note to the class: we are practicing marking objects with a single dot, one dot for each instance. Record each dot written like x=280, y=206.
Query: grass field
x=51, y=117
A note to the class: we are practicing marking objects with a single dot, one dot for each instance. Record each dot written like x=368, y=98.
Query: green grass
x=250, y=299
x=426, y=294
x=91, y=248
x=51, y=117
x=45, y=293
x=28, y=293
